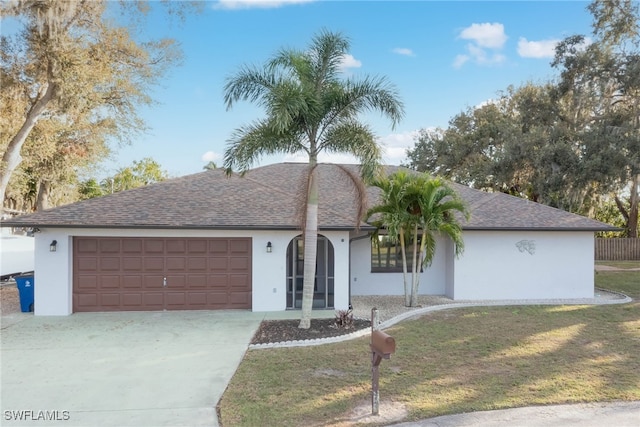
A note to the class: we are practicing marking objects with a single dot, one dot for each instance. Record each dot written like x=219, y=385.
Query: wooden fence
x=617, y=249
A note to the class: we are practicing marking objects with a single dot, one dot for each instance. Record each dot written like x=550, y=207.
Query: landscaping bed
x=273, y=331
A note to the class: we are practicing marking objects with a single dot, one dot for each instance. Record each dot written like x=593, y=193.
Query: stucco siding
x=364, y=282
x=53, y=270
x=500, y=265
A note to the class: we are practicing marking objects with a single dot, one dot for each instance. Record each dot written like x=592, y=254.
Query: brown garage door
x=131, y=274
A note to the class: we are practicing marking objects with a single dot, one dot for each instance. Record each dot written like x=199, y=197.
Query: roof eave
x=178, y=227
x=490, y=228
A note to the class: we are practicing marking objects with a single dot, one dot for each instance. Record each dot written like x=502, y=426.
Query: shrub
x=344, y=319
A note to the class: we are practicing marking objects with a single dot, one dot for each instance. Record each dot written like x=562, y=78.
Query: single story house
x=209, y=241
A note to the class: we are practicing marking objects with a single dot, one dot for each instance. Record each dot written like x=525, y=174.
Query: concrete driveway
x=120, y=369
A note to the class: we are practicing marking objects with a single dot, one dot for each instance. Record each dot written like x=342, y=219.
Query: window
x=386, y=257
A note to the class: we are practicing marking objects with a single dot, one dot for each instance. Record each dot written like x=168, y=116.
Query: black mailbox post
x=382, y=346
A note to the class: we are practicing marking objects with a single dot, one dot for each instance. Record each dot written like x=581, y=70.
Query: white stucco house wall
x=208, y=241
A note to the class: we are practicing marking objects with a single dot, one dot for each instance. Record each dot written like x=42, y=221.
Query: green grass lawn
x=453, y=361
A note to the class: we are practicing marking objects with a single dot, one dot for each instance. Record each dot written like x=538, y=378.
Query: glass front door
x=324, y=280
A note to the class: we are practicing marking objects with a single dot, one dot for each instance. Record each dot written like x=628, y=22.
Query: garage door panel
x=132, y=282
x=116, y=274
x=153, y=264
x=88, y=246
x=87, y=300
x=218, y=281
x=237, y=263
x=217, y=300
x=196, y=299
x=218, y=246
x=197, y=264
x=153, y=246
x=239, y=281
x=153, y=299
x=197, y=247
x=219, y=264
x=175, y=299
x=238, y=298
x=176, y=282
x=131, y=300
x=87, y=264
x=109, y=246
x=153, y=282
x=109, y=264
x=176, y=263
x=195, y=281
x=239, y=246
x=109, y=282
x=110, y=300
x=176, y=246
x=132, y=264
x=132, y=246
x=87, y=282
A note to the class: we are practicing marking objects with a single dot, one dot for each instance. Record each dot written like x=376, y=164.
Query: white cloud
x=403, y=51
x=486, y=42
x=395, y=146
x=485, y=35
x=211, y=156
x=537, y=49
x=460, y=60
x=348, y=61
x=260, y=4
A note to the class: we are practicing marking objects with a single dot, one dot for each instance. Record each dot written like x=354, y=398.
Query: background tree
x=310, y=109
x=603, y=79
x=571, y=144
x=140, y=173
x=210, y=166
x=79, y=70
x=418, y=209
x=89, y=189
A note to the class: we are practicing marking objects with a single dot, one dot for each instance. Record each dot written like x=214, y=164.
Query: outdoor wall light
x=53, y=246
x=269, y=247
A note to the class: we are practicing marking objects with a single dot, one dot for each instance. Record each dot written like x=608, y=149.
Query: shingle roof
x=266, y=198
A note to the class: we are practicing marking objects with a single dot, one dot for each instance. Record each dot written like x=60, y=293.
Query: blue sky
x=443, y=57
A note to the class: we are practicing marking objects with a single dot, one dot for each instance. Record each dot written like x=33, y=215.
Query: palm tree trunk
x=403, y=250
x=415, y=269
x=310, y=248
x=416, y=281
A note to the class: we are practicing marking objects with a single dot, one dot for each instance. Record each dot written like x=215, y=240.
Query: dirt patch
x=388, y=412
x=272, y=331
x=9, y=299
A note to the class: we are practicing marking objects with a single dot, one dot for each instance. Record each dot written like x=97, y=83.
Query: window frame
x=398, y=262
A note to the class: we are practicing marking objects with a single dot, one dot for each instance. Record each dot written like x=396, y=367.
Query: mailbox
x=383, y=343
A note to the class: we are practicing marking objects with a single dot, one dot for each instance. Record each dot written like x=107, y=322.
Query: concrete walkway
x=618, y=414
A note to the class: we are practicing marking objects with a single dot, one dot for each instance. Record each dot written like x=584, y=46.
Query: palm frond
x=249, y=84
x=357, y=139
x=247, y=144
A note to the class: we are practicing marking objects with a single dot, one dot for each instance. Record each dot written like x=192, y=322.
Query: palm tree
x=417, y=208
x=310, y=109
x=210, y=166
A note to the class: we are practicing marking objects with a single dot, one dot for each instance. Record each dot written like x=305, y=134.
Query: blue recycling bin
x=25, y=284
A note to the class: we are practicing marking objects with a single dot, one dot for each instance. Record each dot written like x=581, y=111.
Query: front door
x=324, y=280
